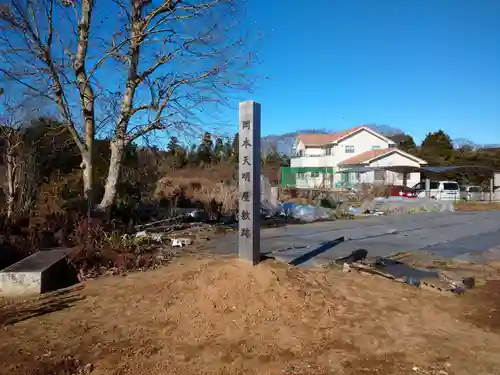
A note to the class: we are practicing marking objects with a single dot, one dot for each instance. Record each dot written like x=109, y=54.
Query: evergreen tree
x=228, y=150
x=192, y=158
x=437, y=148
x=236, y=148
x=219, y=150
x=205, y=149
x=273, y=156
x=176, y=153
x=404, y=142
x=173, y=145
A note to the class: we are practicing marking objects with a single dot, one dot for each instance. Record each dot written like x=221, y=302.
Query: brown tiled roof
x=316, y=139
x=366, y=156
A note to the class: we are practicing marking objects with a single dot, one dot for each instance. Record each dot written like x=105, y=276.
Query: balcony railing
x=298, y=155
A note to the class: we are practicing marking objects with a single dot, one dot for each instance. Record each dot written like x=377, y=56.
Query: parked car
x=471, y=193
x=401, y=191
x=440, y=190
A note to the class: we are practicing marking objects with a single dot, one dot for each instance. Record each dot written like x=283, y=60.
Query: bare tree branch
x=22, y=18
x=20, y=174
x=164, y=63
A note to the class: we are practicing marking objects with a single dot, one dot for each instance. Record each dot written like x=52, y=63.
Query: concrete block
x=41, y=272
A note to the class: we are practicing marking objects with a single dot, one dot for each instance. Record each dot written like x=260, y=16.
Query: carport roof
x=408, y=169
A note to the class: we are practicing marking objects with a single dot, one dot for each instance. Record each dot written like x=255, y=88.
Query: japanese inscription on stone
x=249, y=182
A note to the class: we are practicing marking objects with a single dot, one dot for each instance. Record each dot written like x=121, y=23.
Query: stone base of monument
x=41, y=272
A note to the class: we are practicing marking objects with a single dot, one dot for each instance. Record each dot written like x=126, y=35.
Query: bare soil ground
x=222, y=316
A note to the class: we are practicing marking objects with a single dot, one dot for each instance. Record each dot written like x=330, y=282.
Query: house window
x=300, y=175
x=301, y=153
x=354, y=176
x=349, y=149
x=375, y=147
x=328, y=151
x=314, y=174
x=379, y=175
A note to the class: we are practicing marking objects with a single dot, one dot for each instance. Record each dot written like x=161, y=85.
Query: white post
x=427, y=188
x=492, y=189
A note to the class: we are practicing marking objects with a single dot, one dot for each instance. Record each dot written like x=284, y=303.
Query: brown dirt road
x=221, y=316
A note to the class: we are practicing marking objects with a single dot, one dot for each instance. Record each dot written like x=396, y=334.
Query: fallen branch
x=170, y=219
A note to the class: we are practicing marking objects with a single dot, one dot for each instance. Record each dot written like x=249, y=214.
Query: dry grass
x=477, y=206
x=220, y=316
x=215, y=183
x=199, y=189
x=371, y=191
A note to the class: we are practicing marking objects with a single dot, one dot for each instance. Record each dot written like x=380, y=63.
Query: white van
x=471, y=193
x=440, y=190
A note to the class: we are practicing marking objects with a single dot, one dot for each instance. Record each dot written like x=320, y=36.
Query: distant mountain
x=284, y=142
x=386, y=130
x=462, y=142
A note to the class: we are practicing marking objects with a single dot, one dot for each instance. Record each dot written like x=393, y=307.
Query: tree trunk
x=117, y=144
x=11, y=183
x=117, y=147
x=87, y=100
x=88, y=180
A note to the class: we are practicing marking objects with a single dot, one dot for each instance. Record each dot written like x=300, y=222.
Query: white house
x=339, y=159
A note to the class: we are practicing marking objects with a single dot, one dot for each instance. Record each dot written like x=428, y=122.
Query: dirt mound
x=222, y=316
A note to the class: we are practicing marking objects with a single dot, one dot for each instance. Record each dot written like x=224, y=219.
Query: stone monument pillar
x=249, y=182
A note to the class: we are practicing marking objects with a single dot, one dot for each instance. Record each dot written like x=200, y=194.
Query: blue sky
x=415, y=65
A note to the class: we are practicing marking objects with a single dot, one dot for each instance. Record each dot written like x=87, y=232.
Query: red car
x=402, y=191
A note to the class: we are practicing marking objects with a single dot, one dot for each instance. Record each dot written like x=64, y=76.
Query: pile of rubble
x=401, y=205
x=397, y=270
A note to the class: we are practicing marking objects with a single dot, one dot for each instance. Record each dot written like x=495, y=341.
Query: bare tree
x=18, y=158
x=154, y=65
x=11, y=142
x=38, y=58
